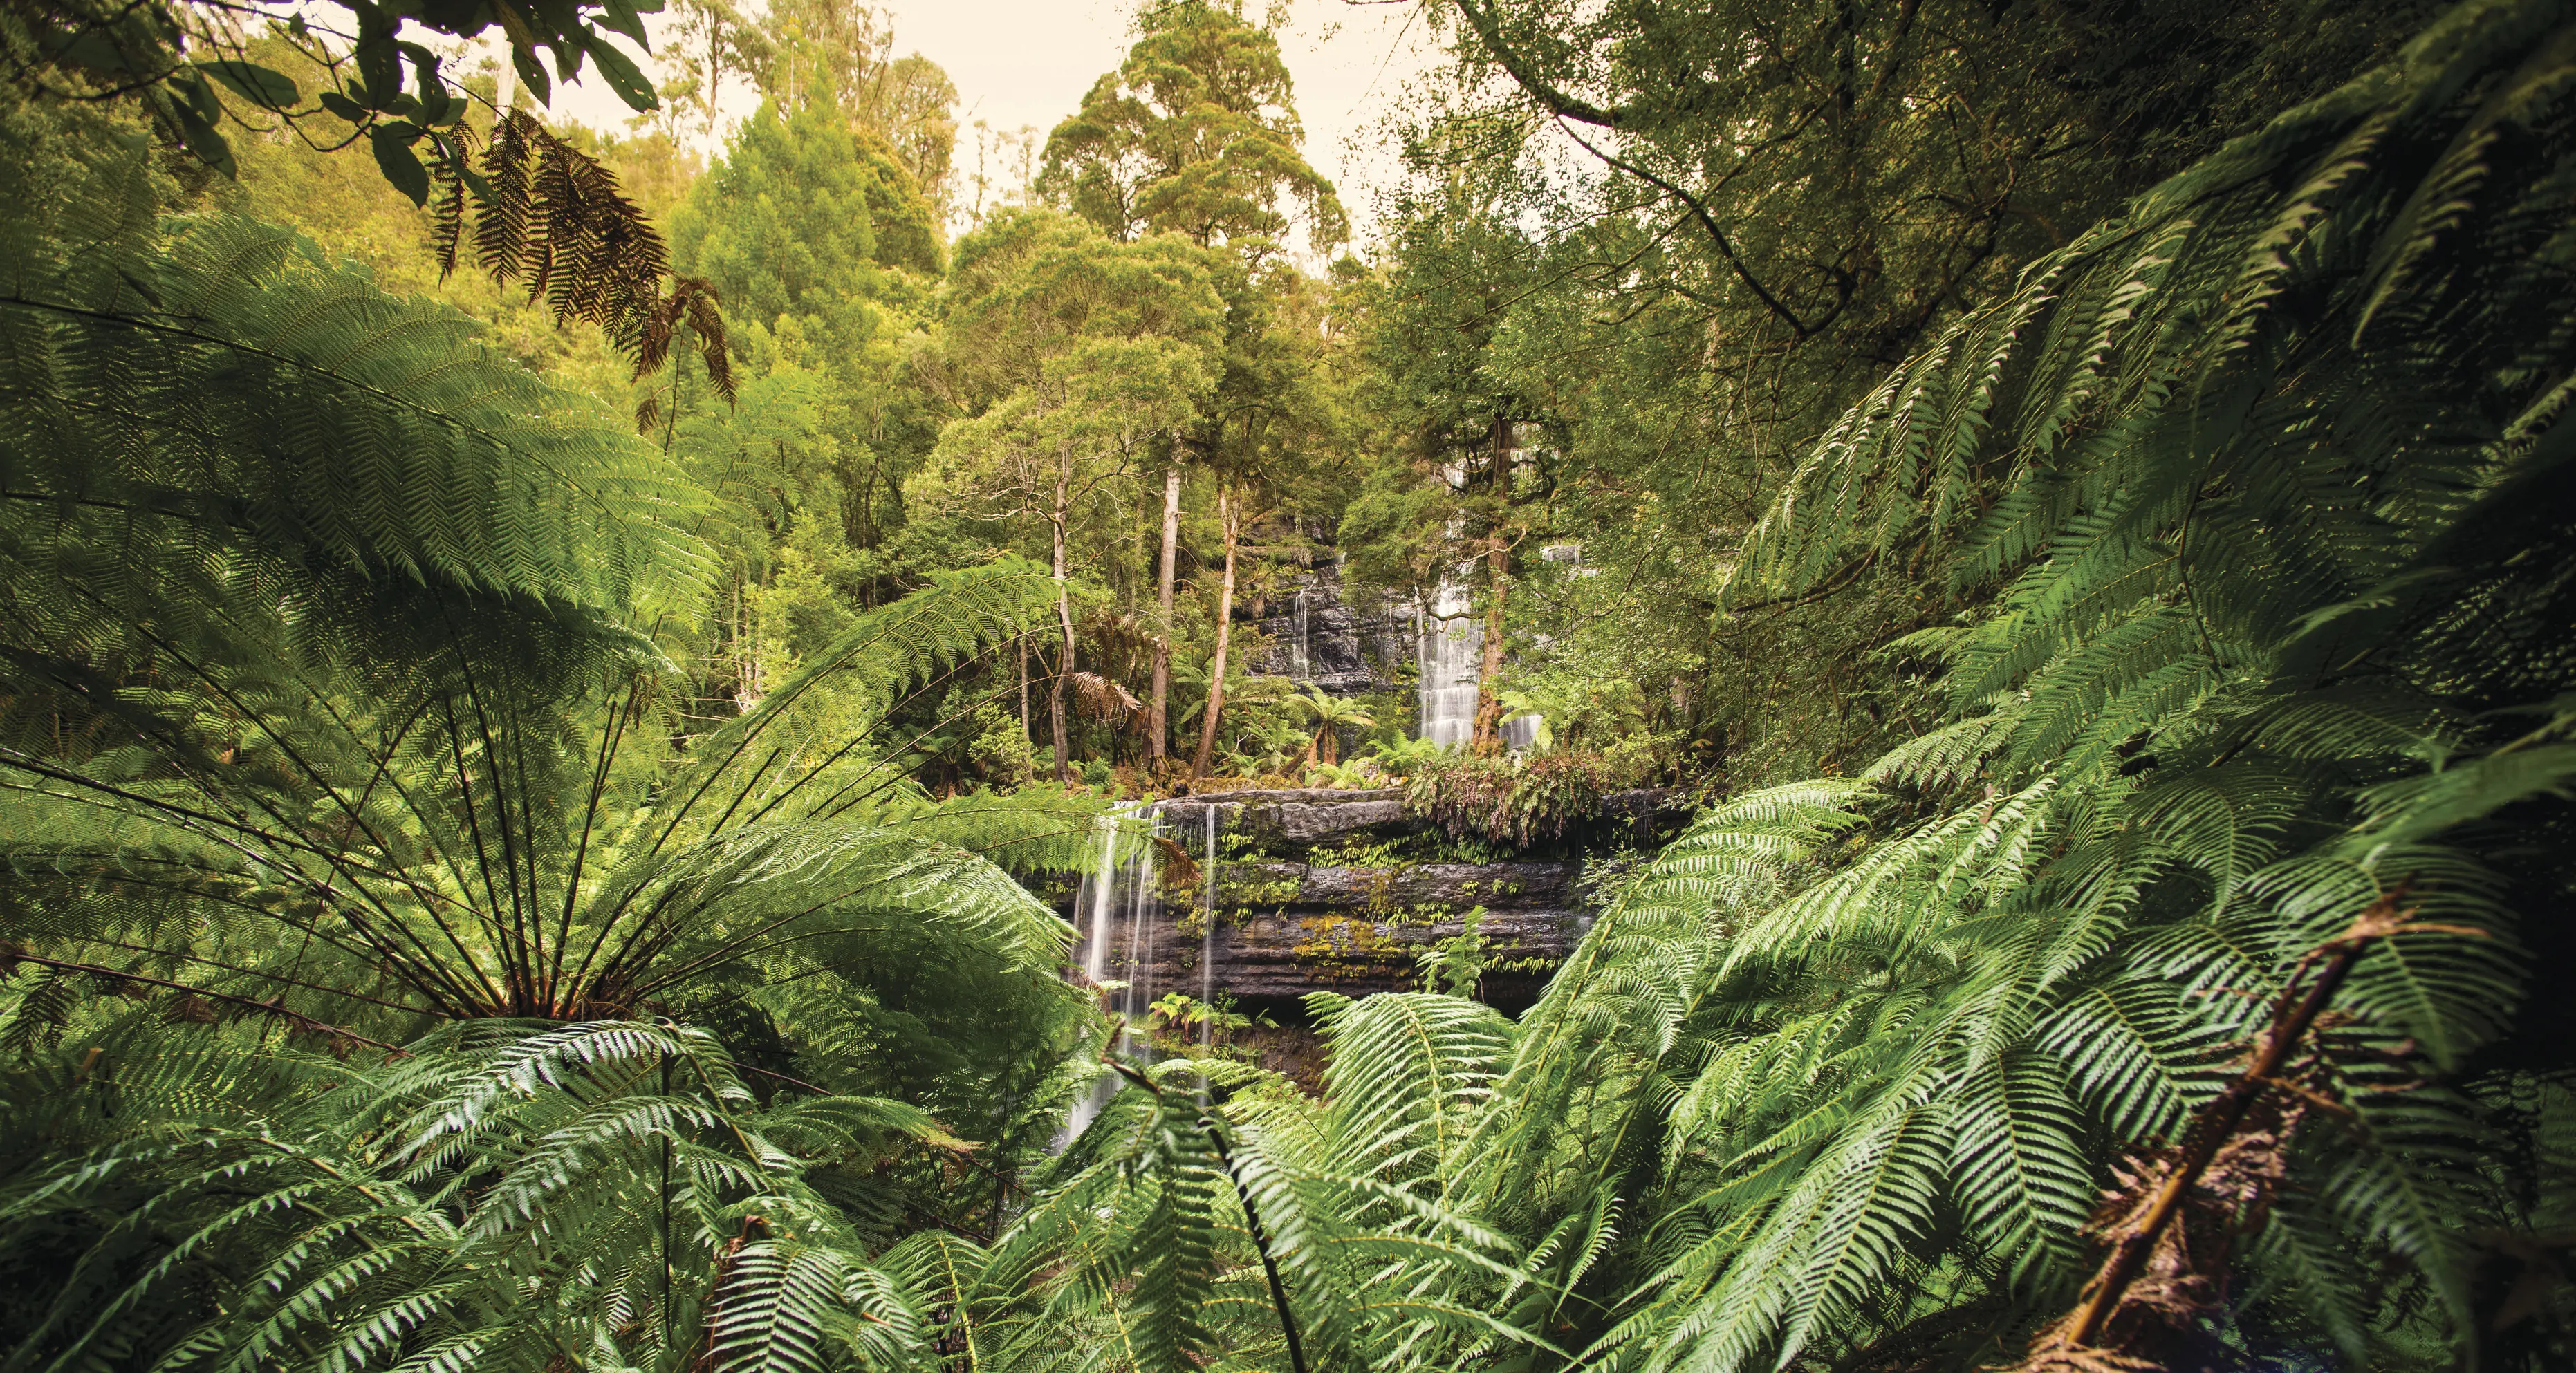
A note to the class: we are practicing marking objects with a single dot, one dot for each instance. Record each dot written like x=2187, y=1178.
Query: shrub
x=1523, y=800
x=1000, y=751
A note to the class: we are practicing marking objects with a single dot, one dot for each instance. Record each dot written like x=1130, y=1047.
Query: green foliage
x=1068, y=348
x=1517, y=800
x=1405, y=757
x=337, y=708
x=1154, y=1234
x=1360, y=774
x=173, y=58
x=1194, y=134
x=835, y=53
x=503, y=1195
x=1185, y=1025
x=434, y=940
x=999, y=748
x=1381, y=531
x=1331, y=715
x=2227, y=457
x=799, y=219
x=1612, y=302
x=1455, y=965
x=543, y=211
x=225, y=452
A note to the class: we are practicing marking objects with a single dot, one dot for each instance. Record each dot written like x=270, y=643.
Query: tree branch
x=2296, y=1010
x=1725, y=246
x=1489, y=33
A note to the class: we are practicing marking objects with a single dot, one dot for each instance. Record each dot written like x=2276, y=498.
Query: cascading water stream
x=1207, y=933
x=1450, y=654
x=1301, y=665
x=1093, y=896
x=1142, y=874
x=1123, y=880
x=1451, y=657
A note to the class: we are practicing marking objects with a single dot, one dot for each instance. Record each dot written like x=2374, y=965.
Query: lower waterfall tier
x=1284, y=929
x=1324, y=890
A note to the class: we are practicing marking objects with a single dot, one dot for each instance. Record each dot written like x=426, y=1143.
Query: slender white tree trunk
x=1156, y=726
x=1064, y=621
x=1229, y=513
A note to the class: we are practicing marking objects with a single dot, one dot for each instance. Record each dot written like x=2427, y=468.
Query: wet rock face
x=1299, y=816
x=1290, y=819
x=1343, y=644
x=1296, y=914
x=1359, y=930
x=1284, y=929
x=1300, y=921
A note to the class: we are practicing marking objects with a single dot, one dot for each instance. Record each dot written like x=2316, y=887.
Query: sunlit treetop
x=1196, y=133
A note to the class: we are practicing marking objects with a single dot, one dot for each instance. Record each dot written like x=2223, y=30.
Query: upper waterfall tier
x=1320, y=633
x=1339, y=640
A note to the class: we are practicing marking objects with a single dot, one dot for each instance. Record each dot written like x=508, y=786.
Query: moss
x=1378, y=891
x=1340, y=947
x=1248, y=893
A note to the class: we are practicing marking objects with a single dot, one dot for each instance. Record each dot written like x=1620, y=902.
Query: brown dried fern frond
x=2183, y=1221
x=1178, y=871
x=2178, y=1209
x=654, y=328
x=550, y=215
x=1102, y=699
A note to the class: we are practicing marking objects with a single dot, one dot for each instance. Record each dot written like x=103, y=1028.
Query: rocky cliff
x=1285, y=929
x=1343, y=641
x=1311, y=894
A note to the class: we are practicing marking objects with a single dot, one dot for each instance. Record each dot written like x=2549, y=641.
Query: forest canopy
x=1892, y=686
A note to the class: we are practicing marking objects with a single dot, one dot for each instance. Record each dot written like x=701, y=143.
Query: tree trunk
x=1064, y=664
x=1498, y=562
x=1230, y=514
x=1156, y=728
x=1489, y=707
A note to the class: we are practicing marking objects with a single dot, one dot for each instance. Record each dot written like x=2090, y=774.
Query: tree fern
x=338, y=724
x=2205, y=485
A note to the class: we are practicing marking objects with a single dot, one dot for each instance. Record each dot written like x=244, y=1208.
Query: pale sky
x=1028, y=62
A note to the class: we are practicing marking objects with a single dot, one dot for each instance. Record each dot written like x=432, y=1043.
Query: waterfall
x=1207, y=932
x=1118, y=901
x=1451, y=653
x=1451, y=657
x=1142, y=873
x=1301, y=663
x=1094, y=895
x=1125, y=879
